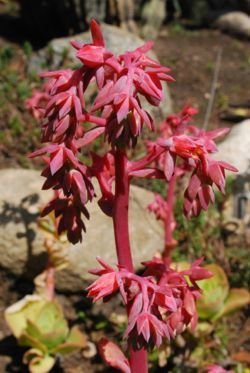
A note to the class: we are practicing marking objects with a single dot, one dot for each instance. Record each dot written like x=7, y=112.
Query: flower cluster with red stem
x=192, y=146
x=120, y=80
x=161, y=303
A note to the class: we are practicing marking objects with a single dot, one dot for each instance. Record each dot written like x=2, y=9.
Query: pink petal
x=193, y=186
x=96, y=33
x=57, y=161
x=217, y=133
x=81, y=186
x=104, y=96
x=168, y=165
x=123, y=110
x=189, y=303
x=66, y=108
x=90, y=136
x=216, y=175
x=228, y=166
x=113, y=355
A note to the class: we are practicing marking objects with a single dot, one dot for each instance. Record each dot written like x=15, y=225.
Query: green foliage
x=218, y=299
x=27, y=48
x=40, y=324
x=240, y=266
x=15, y=126
x=23, y=90
x=190, y=231
x=6, y=54
x=177, y=28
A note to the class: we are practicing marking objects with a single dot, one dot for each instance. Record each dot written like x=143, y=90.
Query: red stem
x=138, y=359
x=120, y=212
x=170, y=242
x=50, y=282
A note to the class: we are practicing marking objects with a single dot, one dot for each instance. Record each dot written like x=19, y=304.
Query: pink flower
x=119, y=97
x=107, y=283
x=37, y=102
x=71, y=179
x=199, y=193
x=68, y=212
x=160, y=304
x=194, y=151
x=177, y=124
x=159, y=207
x=216, y=369
x=151, y=329
x=93, y=55
x=103, y=286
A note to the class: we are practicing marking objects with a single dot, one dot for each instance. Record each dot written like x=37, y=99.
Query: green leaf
x=203, y=328
x=48, y=340
x=29, y=341
x=214, y=292
x=17, y=315
x=37, y=362
x=51, y=319
x=237, y=298
x=75, y=340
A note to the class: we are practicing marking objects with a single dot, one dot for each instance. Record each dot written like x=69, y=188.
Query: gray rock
x=235, y=148
x=21, y=244
x=236, y=23
x=93, y=9
x=117, y=40
x=153, y=15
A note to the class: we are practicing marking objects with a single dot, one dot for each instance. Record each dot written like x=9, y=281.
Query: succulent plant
x=218, y=299
x=40, y=324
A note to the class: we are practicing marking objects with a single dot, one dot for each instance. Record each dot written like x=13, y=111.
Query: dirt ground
x=192, y=57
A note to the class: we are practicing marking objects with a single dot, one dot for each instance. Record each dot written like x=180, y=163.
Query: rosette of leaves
x=218, y=299
x=39, y=323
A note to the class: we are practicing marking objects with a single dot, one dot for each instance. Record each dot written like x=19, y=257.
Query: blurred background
x=206, y=43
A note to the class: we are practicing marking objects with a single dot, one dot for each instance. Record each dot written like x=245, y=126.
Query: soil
x=192, y=57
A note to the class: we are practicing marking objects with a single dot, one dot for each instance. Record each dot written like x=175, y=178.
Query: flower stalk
x=120, y=211
x=170, y=242
x=137, y=359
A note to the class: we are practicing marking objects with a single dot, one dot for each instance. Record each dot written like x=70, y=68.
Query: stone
x=93, y=9
x=153, y=15
x=21, y=243
x=235, y=148
x=235, y=23
x=117, y=40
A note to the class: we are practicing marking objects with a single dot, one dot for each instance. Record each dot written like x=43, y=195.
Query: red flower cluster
x=176, y=124
x=159, y=207
x=36, y=103
x=195, y=152
x=161, y=303
x=61, y=107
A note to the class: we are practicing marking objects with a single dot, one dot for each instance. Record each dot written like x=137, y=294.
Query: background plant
x=37, y=320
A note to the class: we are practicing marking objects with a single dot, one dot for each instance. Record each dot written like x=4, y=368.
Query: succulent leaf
x=38, y=363
x=237, y=298
x=27, y=308
x=215, y=291
x=76, y=339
